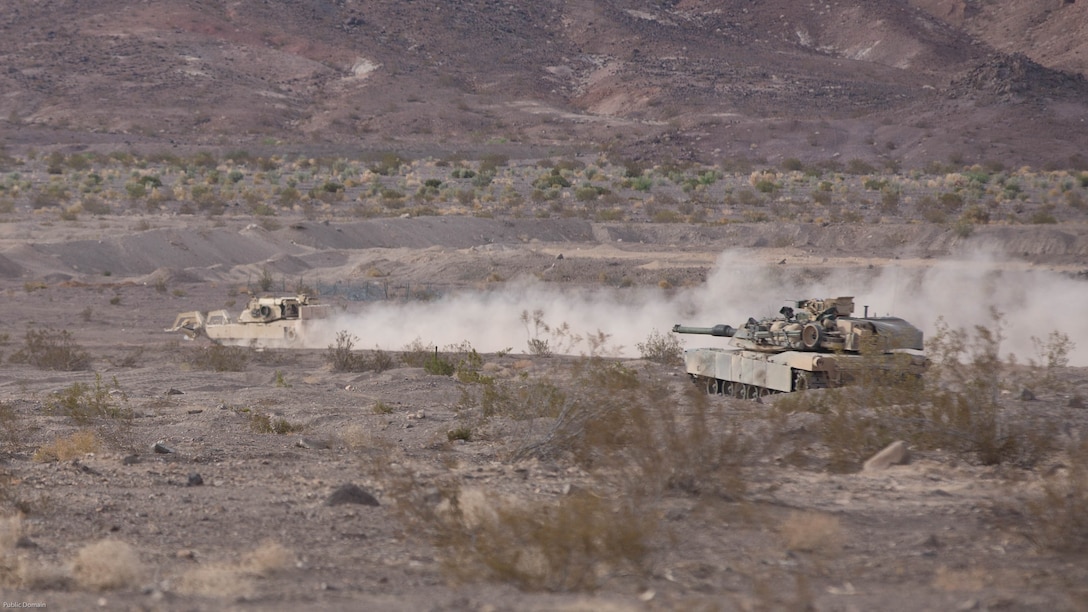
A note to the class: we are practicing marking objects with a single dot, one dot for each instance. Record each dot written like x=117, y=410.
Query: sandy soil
x=937, y=533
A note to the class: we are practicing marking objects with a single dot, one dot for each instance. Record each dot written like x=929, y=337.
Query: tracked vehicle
x=265, y=321
x=815, y=343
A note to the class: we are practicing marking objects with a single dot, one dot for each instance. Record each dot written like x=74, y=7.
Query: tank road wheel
x=811, y=336
x=728, y=388
x=713, y=386
x=743, y=392
x=800, y=380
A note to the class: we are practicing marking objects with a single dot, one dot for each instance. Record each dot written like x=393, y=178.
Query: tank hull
x=265, y=322
x=280, y=333
x=746, y=373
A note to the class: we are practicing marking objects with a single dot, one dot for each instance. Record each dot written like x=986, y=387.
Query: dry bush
x=69, y=447
x=107, y=564
x=11, y=529
x=1055, y=518
x=262, y=423
x=630, y=428
x=954, y=407
x=569, y=545
x=218, y=358
x=52, y=350
x=813, y=532
x=236, y=579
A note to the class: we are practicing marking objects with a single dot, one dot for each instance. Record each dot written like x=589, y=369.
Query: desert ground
x=165, y=473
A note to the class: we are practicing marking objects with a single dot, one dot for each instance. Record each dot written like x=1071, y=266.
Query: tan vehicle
x=267, y=321
x=815, y=343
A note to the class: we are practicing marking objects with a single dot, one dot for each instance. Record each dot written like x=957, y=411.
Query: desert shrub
x=1043, y=216
x=235, y=579
x=931, y=210
x=84, y=403
x=439, y=364
x=812, y=532
x=521, y=400
x=565, y=545
x=107, y=564
x=265, y=280
x=859, y=167
x=263, y=423
x=792, y=164
x=545, y=339
x=562, y=546
x=1054, y=517
x=490, y=162
x=52, y=350
x=460, y=432
x=415, y=353
x=666, y=215
x=72, y=446
x=550, y=180
x=765, y=186
x=342, y=357
x=219, y=358
x=662, y=348
x=630, y=429
x=955, y=408
x=388, y=165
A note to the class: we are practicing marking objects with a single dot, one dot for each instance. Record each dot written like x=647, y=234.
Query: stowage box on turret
x=815, y=343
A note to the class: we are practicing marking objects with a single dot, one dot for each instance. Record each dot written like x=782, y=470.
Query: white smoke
x=961, y=291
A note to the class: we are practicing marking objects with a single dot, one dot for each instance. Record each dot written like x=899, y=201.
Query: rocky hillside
x=692, y=79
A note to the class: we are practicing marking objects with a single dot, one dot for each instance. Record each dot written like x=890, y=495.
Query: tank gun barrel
x=724, y=331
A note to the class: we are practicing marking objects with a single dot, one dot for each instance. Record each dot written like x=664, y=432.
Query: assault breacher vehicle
x=266, y=321
x=816, y=343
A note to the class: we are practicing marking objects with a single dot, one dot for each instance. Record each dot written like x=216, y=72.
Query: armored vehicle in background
x=265, y=321
x=815, y=343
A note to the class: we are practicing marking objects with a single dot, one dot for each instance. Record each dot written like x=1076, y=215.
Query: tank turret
x=811, y=343
x=822, y=325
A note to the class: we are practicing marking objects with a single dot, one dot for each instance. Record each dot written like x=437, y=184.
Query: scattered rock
x=86, y=469
x=195, y=480
x=559, y=256
x=351, y=494
x=130, y=460
x=161, y=448
x=1076, y=402
x=1027, y=395
x=894, y=454
x=25, y=542
x=173, y=391
x=312, y=443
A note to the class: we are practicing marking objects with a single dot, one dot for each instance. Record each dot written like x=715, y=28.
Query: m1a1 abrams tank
x=265, y=321
x=815, y=343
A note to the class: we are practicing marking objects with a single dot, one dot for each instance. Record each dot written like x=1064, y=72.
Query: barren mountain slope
x=690, y=79
x=1051, y=32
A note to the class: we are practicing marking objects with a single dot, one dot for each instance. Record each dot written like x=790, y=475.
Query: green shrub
x=52, y=350
x=662, y=348
x=84, y=403
x=439, y=365
x=343, y=358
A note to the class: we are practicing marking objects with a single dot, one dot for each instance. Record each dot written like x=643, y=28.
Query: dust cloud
x=964, y=292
